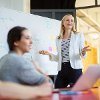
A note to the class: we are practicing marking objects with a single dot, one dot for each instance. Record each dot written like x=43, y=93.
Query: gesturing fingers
x=87, y=48
x=43, y=52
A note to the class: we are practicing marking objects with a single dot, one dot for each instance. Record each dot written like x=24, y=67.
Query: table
x=92, y=94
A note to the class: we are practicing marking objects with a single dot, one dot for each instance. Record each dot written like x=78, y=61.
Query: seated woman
x=13, y=66
x=88, y=79
x=10, y=91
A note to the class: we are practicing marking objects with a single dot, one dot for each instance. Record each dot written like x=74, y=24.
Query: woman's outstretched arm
x=17, y=91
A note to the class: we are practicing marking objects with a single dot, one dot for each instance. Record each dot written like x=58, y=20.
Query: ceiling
x=88, y=16
x=92, y=10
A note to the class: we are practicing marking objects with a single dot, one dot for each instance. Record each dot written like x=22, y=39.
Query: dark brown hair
x=14, y=35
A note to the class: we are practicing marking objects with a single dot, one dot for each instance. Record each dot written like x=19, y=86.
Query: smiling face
x=25, y=43
x=68, y=22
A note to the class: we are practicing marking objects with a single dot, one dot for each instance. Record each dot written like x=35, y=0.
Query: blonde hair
x=62, y=28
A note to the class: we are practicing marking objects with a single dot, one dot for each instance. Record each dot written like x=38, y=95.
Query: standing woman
x=70, y=48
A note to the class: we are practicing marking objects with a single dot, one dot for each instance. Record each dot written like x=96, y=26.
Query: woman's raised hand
x=44, y=52
x=85, y=49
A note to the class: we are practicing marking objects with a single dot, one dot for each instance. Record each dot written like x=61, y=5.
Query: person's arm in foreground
x=38, y=68
x=17, y=91
x=87, y=80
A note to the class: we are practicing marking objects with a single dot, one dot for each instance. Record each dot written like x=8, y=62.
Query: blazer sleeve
x=54, y=57
x=82, y=44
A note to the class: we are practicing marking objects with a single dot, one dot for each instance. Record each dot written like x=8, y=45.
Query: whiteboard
x=44, y=32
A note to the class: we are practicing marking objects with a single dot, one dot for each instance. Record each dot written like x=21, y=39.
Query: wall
x=92, y=58
x=20, y=5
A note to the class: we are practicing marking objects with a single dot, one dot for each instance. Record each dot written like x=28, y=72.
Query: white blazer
x=76, y=45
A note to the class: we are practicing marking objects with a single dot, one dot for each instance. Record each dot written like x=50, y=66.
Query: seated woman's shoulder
x=14, y=56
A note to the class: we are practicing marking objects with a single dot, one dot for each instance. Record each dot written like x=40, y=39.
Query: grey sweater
x=15, y=68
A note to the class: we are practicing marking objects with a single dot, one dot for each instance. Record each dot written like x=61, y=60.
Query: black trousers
x=67, y=75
